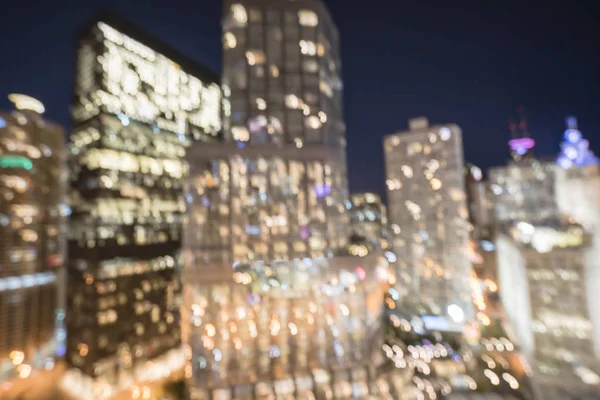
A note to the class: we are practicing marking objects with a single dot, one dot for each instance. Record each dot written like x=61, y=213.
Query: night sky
x=468, y=62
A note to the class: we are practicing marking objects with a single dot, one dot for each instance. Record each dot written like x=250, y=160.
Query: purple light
x=521, y=144
x=305, y=232
x=322, y=190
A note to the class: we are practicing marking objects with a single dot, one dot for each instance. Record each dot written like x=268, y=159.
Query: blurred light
x=24, y=102
x=456, y=313
x=487, y=245
x=521, y=144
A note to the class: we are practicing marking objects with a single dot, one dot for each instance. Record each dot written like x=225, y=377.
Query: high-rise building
x=548, y=252
x=543, y=274
x=291, y=326
x=524, y=191
x=428, y=214
x=137, y=105
x=32, y=233
x=368, y=220
x=282, y=80
x=481, y=218
x=479, y=201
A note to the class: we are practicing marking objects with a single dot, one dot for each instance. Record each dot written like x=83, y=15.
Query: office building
x=137, y=106
x=282, y=82
x=294, y=327
x=368, y=220
x=32, y=232
x=480, y=202
x=524, y=191
x=578, y=196
x=428, y=214
x=548, y=264
x=543, y=274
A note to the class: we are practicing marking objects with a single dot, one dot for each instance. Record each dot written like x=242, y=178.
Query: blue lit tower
x=574, y=149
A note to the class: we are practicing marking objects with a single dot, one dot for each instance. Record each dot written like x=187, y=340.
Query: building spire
x=521, y=143
x=574, y=149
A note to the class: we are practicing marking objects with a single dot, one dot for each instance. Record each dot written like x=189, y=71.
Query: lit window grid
x=248, y=209
x=552, y=320
x=127, y=165
x=524, y=192
x=368, y=219
x=432, y=241
x=31, y=240
x=157, y=92
x=291, y=328
x=258, y=90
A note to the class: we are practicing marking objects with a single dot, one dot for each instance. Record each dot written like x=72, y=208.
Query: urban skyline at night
x=231, y=206
x=391, y=65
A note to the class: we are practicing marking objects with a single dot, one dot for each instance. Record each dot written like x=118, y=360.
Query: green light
x=15, y=162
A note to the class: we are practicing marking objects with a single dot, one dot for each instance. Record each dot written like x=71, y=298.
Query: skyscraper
x=137, y=105
x=32, y=232
x=428, y=214
x=368, y=220
x=282, y=79
x=547, y=251
x=544, y=273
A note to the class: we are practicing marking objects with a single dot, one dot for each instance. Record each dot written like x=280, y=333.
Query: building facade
x=428, y=214
x=524, y=191
x=282, y=82
x=32, y=232
x=291, y=326
x=543, y=274
x=137, y=106
x=368, y=220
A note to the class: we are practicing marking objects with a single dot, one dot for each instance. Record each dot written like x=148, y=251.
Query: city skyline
x=188, y=234
x=494, y=74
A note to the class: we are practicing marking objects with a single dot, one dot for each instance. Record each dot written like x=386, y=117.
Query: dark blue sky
x=469, y=62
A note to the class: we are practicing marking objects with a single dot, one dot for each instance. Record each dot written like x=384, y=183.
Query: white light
x=229, y=40
x=456, y=313
x=261, y=103
x=526, y=228
x=445, y=133
x=308, y=18
x=24, y=102
x=239, y=13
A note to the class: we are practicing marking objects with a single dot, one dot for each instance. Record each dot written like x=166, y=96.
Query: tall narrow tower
x=520, y=143
x=428, y=214
x=282, y=78
x=137, y=105
x=32, y=249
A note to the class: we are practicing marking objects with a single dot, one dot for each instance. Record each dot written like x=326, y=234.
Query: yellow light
x=17, y=357
x=491, y=285
x=24, y=371
x=229, y=40
x=485, y=320
x=24, y=102
x=210, y=330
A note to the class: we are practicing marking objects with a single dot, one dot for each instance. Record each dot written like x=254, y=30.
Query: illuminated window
x=308, y=47
x=239, y=13
x=308, y=18
x=255, y=57
x=229, y=40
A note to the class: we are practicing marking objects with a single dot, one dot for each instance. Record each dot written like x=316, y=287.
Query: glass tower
x=282, y=82
x=32, y=252
x=137, y=105
x=428, y=214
